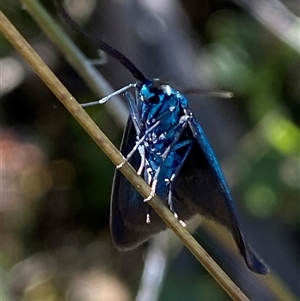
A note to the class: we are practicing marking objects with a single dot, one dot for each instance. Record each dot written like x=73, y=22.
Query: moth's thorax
x=158, y=98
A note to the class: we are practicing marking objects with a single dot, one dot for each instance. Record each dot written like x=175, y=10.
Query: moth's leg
x=170, y=200
x=148, y=176
x=170, y=182
x=153, y=185
x=138, y=143
x=143, y=159
x=106, y=98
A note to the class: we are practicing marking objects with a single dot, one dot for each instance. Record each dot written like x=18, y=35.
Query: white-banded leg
x=138, y=143
x=106, y=98
x=151, y=195
x=153, y=186
x=170, y=183
x=143, y=159
x=148, y=176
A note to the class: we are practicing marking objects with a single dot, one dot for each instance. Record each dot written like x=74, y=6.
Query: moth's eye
x=154, y=99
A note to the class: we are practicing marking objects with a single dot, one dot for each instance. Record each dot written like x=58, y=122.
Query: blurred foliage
x=244, y=62
x=56, y=183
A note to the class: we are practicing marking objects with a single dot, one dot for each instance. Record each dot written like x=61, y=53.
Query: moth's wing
x=202, y=186
x=128, y=209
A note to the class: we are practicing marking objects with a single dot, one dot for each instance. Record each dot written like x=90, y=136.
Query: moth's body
x=162, y=145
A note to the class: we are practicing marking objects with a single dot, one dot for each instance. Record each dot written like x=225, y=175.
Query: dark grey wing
x=128, y=209
x=202, y=186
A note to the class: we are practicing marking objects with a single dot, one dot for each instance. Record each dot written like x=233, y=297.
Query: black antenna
x=136, y=73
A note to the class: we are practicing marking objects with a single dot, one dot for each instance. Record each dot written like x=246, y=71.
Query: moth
x=168, y=147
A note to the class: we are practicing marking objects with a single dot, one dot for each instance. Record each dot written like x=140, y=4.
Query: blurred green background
x=55, y=182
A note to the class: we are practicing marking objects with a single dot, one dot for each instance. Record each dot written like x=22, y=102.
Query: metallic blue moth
x=169, y=149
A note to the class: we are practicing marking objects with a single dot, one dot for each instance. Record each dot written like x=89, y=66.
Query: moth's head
x=155, y=91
